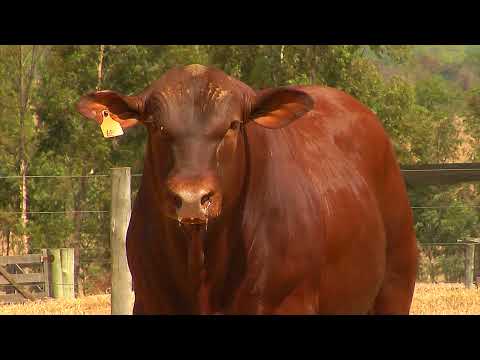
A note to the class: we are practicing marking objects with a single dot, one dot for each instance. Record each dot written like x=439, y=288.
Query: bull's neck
x=210, y=263
x=197, y=277
x=210, y=258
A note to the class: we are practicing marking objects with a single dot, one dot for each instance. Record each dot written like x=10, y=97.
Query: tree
x=20, y=65
x=418, y=94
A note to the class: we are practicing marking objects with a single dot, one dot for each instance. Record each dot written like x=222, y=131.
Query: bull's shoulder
x=344, y=126
x=338, y=122
x=338, y=113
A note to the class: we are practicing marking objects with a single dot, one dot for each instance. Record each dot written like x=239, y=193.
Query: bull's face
x=195, y=118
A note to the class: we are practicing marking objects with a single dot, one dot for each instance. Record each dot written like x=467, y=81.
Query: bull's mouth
x=193, y=221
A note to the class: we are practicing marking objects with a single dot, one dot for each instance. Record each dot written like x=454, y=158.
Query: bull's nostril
x=206, y=197
x=177, y=200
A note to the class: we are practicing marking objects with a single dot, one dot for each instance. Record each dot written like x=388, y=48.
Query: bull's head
x=195, y=118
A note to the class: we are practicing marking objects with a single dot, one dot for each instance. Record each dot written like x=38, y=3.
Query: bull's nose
x=192, y=204
x=192, y=198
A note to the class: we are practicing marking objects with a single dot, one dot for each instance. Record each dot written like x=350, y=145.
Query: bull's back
x=351, y=131
x=315, y=204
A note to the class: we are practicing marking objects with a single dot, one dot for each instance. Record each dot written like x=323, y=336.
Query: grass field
x=440, y=299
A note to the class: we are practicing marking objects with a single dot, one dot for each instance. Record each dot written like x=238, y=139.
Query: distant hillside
x=459, y=65
x=448, y=54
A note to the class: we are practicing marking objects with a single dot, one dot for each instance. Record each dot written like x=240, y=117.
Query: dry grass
x=440, y=299
x=89, y=305
x=445, y=299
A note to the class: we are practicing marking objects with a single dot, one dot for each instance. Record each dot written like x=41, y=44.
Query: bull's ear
x=277, y=108
x=126, y=110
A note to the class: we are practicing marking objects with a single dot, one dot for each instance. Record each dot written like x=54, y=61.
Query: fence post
x=122, y=296
x=68, y=267
x=469, y=265
x=56, y=286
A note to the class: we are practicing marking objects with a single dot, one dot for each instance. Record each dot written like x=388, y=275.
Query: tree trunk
x=8, y=242
x=431, y=267
x=23, y=161
x=100, y=67
x=3, y=243
x=24, y=207
x=77, y=222
x=79, y=275
x=25, y=81
x=75, y=240
x=100, y=71
x=8, y=232
x=313, y=65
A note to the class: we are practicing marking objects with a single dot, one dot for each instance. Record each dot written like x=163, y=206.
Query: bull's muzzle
x=196, y=206
x=192, y=205
x=194, y=200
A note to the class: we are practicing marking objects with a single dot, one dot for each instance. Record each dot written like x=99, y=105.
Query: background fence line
x=59, y=176
x=102, y=256
x=53, y=212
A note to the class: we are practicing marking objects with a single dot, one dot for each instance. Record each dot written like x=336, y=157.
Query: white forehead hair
x=196, y=69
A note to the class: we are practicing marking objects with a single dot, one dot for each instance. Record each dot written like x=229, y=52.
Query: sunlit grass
x=445, y=299
x=89, y=305
x=429, y=299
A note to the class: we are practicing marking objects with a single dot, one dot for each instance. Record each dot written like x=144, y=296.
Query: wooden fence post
x=56, y=286
x=469, y=265
x=122, y=293
x=67, y=257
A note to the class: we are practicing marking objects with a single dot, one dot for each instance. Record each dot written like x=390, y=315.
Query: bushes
x=441, y=264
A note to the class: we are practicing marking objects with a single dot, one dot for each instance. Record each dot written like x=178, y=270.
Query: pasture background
x=427, y=97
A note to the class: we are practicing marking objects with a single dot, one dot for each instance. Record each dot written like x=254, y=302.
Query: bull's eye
x=163, y=132
x=156, y=127
x=234, y=125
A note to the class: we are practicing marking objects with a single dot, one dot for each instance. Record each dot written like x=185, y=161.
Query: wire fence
x=415, y=207
x=446, y=263
x=439, y=169
x=439, y=261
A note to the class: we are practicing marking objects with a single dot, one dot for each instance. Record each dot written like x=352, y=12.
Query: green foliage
x=447, y=54
x=416, y=91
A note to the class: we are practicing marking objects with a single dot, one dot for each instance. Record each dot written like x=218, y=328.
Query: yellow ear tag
x=110, y=128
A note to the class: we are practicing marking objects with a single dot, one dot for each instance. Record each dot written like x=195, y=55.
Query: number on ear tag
x=110, y=128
